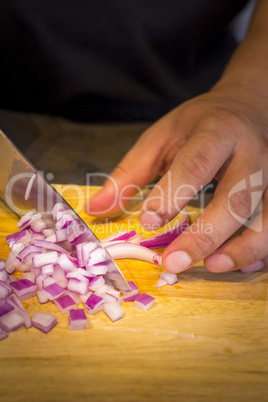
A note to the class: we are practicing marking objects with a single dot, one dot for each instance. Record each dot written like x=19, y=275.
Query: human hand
x=220, y=134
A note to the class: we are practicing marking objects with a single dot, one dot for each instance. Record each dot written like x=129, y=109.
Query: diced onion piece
x=51, y=246
x=5, y=290
x=2, y=265
x=170, y=278
x=5, y=308
x=94, y=303
x=24, y=288
x=53, y=291
x=42, y=296
x=113, y=310
x=48, y=269
x=28, y=275
x=128, y=250
x=164, y=239
x=161, y=283
x=114, y=236
x=44, y=321
x=4, y=275
x=129, y=298
x=61, y=235
x=11, y=321
x=95, y=283
x=126, y=236
x=96, y=256
x=144, y=301
x=77, y=320
x=65, y=303
x=133, y=288
x=25, y=220
x=77, y=286
x=49, y=257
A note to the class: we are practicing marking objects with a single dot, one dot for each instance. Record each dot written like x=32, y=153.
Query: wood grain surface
x=205, y=339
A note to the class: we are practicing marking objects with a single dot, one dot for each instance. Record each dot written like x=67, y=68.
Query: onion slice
x=136, y=251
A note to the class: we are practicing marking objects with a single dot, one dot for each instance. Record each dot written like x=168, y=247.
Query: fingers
x=223, y=216
x=248, y=251
x=150, y=156
x=195, y=165
x=138, y=168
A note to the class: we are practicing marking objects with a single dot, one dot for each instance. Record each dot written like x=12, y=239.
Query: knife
x=24, y=189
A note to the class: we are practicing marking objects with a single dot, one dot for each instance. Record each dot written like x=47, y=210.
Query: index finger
x=230, y=208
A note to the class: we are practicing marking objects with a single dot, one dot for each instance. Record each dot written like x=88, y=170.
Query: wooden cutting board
x=205, y=339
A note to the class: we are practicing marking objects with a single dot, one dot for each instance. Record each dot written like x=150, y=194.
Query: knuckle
x=198, y=165
x=203, y=244
x=240, y=203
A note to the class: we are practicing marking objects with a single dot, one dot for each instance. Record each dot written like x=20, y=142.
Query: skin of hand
x=222, y=134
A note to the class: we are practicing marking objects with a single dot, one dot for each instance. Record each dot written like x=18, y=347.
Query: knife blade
x=24, y=189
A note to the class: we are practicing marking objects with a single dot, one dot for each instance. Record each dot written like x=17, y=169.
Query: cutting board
x=205, y=339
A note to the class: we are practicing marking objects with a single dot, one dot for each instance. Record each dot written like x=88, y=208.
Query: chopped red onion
x=24, y=222
x=58, y=210
x=11, y=321
x=130, y=298
x=61, y=235
x=133, y=288
x=23, y=237
x=51, y=246
x=79, y=287
x=164, y=239
x=48, y=269
x=52, y=239
x=48, y=281
x=160, y=283
x=24, y=289
x=144, y=301
x=128, y=250
x=5, y=308
x=29, y=250
x=42, y=296
x=5, y=290
x=77, y=320
x=44, y=321
x=170, y=278
x=2, y=265
x=77, y=275
x=126, y=236
x=66, y=264
x=98, y=269
x=95, y=283
x=65, y=303
x=64, y=221
x=94, y=303
x=48, y=232
x=49, y=257
x=4, y=275
x=15, y=301
x=113, y=310
x=86, y=249
x=97, y=255
x=38, y=225
x=39, y=280
x=59, y=276
x=28, y=275
x=83, y=298
x=114, y=235
x=53, y=291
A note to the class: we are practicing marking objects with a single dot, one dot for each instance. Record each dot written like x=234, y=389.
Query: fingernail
x=177, y=261
x=253, y=267
x=151, y=220
x=219, y=263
